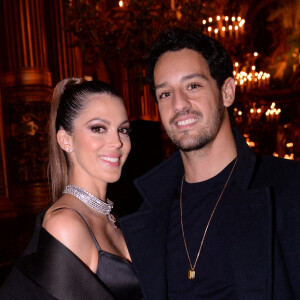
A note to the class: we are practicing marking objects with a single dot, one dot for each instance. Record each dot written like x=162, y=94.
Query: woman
x=81, y=252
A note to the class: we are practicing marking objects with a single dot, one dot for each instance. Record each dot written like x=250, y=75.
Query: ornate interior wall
x=37, y=55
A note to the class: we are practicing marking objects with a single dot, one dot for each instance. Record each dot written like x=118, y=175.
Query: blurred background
x=44, y=41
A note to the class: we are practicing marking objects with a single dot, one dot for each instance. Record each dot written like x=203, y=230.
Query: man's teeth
x=186, y=122
x=111, y=159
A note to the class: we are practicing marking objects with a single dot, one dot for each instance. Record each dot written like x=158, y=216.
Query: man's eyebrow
x=186, y=77
x=191, y=76
x=159, y=86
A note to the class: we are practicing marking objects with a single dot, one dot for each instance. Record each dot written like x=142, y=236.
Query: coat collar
x=157, y=185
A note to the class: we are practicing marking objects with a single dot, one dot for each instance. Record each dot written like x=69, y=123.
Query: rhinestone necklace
x=192, y=272
x=92, y=201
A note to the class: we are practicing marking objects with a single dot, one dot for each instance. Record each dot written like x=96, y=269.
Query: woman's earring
x=69, y=149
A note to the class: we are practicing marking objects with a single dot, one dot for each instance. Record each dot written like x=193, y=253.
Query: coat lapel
x=146, y=231
x=253, y=231
x=146, y=236
x=252, y=245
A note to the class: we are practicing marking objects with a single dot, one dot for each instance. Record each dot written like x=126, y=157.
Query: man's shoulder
x=277, y=171
x=280, y=164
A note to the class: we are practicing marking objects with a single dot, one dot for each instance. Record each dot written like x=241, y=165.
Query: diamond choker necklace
x=92, y=201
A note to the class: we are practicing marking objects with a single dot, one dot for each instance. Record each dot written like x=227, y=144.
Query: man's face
x=189, y=101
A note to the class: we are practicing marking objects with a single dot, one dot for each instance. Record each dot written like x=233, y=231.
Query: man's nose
x=180, y=101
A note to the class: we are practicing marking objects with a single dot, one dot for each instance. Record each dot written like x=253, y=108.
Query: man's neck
x=207, y=162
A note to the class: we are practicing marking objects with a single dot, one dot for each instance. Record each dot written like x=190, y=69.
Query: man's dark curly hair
x=219, y=61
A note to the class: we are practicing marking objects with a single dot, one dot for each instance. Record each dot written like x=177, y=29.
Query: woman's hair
x=68, y=101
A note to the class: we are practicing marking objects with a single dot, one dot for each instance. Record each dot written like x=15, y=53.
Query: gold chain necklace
x=191, y=272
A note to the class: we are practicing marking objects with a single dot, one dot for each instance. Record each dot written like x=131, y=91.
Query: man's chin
x=187, y=146
x=191, y=143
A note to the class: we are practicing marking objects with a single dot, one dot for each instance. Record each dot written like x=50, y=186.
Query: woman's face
x=100, y=140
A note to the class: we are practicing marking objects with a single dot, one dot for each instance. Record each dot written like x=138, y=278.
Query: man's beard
x=205, y=135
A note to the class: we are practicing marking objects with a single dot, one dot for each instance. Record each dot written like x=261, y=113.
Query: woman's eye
x=125, y=130
x=98, y=129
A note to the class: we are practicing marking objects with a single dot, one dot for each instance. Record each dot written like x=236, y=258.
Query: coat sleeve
x=53, y=272
x=19, y=287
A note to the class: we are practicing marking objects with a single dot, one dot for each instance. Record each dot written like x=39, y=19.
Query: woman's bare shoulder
x=67, y=226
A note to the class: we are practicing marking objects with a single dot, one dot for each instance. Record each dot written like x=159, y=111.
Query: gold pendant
x=191, y=274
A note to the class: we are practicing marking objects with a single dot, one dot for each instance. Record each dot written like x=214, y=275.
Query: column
x=26, y=87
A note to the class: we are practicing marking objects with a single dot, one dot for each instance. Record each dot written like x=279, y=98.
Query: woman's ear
x=64, y=140
x=228, y=92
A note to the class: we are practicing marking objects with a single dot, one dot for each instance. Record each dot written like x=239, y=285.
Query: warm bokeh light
x=223, y=26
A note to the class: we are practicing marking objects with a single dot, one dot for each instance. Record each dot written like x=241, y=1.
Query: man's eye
x=193, y=86
x=125, y=130
x=98, y=129
x=164, y=95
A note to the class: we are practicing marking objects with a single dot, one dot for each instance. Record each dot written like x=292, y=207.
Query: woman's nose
x=115, y=140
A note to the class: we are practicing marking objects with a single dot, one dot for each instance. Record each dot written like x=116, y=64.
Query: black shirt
x=213, y=269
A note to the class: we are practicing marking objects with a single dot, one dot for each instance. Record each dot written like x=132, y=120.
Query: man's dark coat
x=266, y=237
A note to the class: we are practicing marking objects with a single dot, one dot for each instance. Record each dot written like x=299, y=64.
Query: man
x=217, y=222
